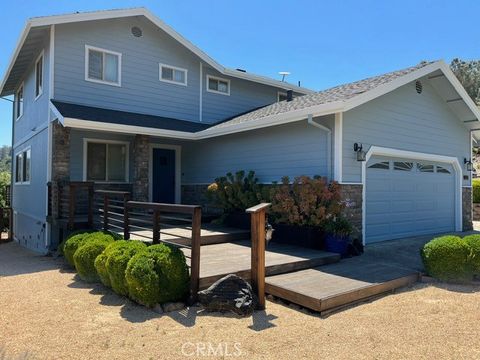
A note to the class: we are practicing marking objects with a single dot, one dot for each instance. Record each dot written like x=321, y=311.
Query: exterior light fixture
x=361, y=155
x=469, y=164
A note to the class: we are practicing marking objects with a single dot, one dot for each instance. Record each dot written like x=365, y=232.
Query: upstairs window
x=39, y=77
x=172, y=74
x=102, y=66
x=106, y=161
x=218, y=85
x=281, y=96
x=19, y=102
x=23, y=167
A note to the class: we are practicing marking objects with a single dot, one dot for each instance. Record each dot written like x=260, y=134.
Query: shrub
x=476, y=190
x=118, y=256
x=157, y=275
x=72, y=243
x=473, y=241
x=61, y=246
x=86, y=254
x=447, y=258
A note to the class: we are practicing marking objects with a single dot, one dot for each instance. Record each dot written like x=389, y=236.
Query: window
x=384, y=165
x=425, y=168
x=442, y=170
x=403, y=166
x=218, y=85
x=172, y=74
x=23, y=167
x=102, y=66
x=39, y=77
x=19, y=102
x=106, y=161
x=281, y=96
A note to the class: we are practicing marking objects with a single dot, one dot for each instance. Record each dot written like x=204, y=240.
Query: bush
x=158, y=275
x=473, y=241
x=447, y=258
x=118, y=256
x=476, y=190
x=84, y=257
x=72, y=243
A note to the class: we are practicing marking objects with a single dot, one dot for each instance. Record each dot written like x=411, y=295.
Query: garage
x=407, y=197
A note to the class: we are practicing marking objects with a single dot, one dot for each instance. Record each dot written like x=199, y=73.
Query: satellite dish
x=284, y=74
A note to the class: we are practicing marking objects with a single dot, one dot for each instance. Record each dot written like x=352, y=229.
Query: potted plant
x=338, y=231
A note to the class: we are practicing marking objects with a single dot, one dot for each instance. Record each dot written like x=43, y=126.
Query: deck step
x=333, y=286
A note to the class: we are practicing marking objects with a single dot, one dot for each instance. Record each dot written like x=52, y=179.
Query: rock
x=173, y=306
x=158, y=309
x=230, y=293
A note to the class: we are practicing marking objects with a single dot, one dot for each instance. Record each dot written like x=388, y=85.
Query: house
x=121, y=99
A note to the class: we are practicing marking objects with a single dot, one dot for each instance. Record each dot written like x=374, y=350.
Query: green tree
x=468, y=72
x=4, y=182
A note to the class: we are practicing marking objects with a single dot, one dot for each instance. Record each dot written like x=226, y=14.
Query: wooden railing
x=142, y=219
x=258, y=231
x=109, y=208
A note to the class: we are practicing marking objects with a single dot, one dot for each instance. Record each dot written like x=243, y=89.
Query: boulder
x=230, y=293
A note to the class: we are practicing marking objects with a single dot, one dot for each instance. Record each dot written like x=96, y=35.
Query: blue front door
x=163, y=173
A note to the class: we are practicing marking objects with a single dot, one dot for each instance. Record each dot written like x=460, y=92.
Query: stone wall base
x=467, y=216
x=352, y=195
x=476, y=212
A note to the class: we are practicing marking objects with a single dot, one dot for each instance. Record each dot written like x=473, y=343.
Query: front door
x=163, y=176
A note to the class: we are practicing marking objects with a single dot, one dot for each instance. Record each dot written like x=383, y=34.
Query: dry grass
x=48, y=314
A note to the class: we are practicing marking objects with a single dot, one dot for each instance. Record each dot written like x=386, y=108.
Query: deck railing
x=109, y=208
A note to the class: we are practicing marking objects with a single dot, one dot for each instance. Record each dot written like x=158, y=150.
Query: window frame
x=23, y=153
x=218, y=79
x=281, y=93
x=163, y=65
x=21, y=87
x=103, y=51
x=40, y=88
x=86, y=141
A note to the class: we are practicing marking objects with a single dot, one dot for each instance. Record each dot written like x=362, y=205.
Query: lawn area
x=46, y=313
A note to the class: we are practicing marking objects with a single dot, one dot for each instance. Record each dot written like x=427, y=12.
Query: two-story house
x=121, y=99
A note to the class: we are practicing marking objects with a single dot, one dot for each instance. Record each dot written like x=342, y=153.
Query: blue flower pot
x=337, y=244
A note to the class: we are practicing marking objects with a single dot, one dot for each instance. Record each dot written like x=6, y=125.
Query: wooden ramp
x=333, y=286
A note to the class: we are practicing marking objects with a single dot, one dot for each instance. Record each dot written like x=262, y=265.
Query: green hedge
x=448, y=258
x=118, y=256
x=86, y=254
x=476, y=190
x=157, y=275
x=473, y=241
x=72, y=243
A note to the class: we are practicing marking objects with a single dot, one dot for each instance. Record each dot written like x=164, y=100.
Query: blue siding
x=404, y=120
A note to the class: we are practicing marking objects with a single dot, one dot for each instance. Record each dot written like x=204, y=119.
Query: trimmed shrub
x=447, y=258
x=118, y=256
x=476, y=190
x=473, y=241
x=158, y=275
x=61, y=246
x=72, y=243
x=86, y=254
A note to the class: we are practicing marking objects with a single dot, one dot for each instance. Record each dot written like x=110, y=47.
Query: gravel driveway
x=46, y=313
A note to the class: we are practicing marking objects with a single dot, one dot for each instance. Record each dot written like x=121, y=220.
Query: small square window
x=173, y=74
x=218, y=85
x=102, y=66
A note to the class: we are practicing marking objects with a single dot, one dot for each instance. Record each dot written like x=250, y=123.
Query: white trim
x=103, y=141
x=211, y=77
x=27, y=149
x=104, y=51
x=110, y=14
x=338, y=148
x=311, y=122
x=15, y=99
x=200, y=109
x=161, y=65
x=178, y=170
x=51, y=59
x=390, y=152
x=57, y=113
x=42, y=57
x=281, y=93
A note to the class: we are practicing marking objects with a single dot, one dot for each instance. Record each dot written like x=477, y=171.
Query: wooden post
x=71, y=207
x=90, y=205
x=195, y=254
x=126, y=222
x=156, y=227
x=10, y=224
x=258, y=214
x=105, y=212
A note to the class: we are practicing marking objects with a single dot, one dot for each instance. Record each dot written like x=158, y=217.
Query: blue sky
x=321, y=43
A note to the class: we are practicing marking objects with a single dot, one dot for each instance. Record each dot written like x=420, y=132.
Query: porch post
x=141, y=156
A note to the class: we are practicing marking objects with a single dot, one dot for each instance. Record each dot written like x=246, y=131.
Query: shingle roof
x=83, y=112
x=338, y=93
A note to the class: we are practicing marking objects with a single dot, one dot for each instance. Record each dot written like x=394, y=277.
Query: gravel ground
x=47, y=313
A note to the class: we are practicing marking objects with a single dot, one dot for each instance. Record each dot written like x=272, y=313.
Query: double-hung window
x=106, y=161
x=218, y=85
x=173, y=74
x=39, y=76
x=103, y=66
x=19, y=102
x=23, y=167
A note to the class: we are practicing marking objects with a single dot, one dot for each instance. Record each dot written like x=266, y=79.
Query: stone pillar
x=467, y=213
x=60, y=161
x=140, y=167
x=352, y=195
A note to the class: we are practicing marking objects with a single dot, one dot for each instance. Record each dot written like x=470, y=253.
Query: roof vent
x=242, y=70
x=136, y=31
x=418, y=86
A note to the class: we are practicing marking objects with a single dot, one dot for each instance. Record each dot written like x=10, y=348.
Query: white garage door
x=408, y=197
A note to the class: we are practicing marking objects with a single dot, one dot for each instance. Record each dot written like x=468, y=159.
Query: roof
x=82, y=112
x=21, y=59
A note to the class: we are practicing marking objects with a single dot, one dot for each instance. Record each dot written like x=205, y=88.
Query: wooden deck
x=234, y=258
x=333, y=286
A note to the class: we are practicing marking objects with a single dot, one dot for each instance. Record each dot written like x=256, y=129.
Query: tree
x=468, y=72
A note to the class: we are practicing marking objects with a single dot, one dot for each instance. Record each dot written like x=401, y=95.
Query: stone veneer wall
x=197, y=195
x=141, y=146
x=476, y=212
x=352, y=195
x=467, y=216
x=60, y=160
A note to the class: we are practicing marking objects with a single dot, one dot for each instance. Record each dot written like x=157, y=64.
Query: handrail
x=177, y=208
x=258, y=222
x=107, y=196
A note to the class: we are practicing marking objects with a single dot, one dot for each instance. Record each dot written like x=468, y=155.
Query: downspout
x=329, y=143
x=12, y=175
